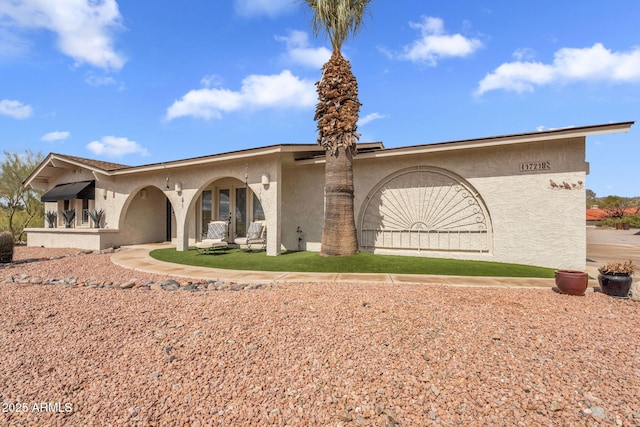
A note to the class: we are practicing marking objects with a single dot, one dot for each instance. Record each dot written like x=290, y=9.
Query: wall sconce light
x=143, y=193
x=265, y=179
x=103, y=192
x=178, y=187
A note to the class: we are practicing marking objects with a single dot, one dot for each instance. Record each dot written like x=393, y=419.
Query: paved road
x=604, y=245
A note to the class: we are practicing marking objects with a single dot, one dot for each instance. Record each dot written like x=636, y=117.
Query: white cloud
x=270, y=8
x=84, y=27
x=300, y=52
x=435, y=44
x=95, y=80
x=282, y=90
x=544, y=128
x=524, y=53
x=211, y=80
x=569, y=65
x=369, y=118
x=55, y=136
x=15, y=109
x=113, y=146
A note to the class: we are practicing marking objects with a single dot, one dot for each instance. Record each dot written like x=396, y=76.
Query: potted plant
x=615, y=278
x=51, y=217
x=96, y=217
x=572, y=282
x=68, y=215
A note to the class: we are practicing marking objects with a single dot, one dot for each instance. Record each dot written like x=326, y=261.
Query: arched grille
x=425, y=208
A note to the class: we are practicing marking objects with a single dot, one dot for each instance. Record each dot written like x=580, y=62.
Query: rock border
x=132, y=283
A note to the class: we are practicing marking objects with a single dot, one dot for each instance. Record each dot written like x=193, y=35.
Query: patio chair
x=216, y=239
x=257, y=234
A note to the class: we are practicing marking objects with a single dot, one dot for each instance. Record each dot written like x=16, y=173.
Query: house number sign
x=535, y=166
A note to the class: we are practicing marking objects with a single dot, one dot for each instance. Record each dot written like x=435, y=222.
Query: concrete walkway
x=137, y=258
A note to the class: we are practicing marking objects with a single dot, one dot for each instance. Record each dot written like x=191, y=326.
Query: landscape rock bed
x=325, y=354
x=42, y=266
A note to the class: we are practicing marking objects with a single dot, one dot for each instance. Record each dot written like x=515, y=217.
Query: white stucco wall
x=303, y=206
x=137, y=220
x=532, y=222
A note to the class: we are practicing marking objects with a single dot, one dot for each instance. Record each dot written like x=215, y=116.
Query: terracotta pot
x=572, y=282
x=619, y=226
x=626, y=226
x=615, y=285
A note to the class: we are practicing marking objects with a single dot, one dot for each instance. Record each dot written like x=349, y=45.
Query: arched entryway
x=425, y=208
x=228, y=199
x=148, y=217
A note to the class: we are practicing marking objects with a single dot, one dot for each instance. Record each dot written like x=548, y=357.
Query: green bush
x=632, y=220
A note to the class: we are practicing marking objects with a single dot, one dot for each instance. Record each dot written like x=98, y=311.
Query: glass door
x=241, y=212
x=224, y=204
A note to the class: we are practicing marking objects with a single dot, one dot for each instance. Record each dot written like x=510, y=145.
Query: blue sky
x=139, y=82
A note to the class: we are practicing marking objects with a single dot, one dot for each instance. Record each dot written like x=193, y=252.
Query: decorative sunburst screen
x=425, y=208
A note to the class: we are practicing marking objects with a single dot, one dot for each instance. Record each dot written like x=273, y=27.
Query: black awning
x=73, y=190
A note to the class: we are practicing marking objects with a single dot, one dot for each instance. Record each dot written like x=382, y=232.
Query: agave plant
x=68, y=215
x=96, y=217
x=51, y=217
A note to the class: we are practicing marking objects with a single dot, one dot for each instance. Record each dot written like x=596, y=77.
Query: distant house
x=473, y=199
x=595, y=214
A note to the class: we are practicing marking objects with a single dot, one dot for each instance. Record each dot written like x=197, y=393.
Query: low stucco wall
x=81, y=238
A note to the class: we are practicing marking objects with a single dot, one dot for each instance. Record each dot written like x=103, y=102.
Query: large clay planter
x=615, y=285
x=572, y=282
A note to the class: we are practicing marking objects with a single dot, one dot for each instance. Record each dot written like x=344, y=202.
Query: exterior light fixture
x=265, y=179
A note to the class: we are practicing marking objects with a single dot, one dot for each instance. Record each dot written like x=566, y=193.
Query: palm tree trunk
x=337, y=116
x=339, y=236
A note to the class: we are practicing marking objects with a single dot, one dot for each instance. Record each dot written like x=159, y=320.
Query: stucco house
x=477, y=199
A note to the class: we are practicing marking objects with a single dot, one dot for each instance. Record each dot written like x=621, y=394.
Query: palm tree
x=337, y=117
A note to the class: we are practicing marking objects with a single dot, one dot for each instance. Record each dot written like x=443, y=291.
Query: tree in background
x=19, y=206
x=337, y=115
x=591, y=198
x=615, y=206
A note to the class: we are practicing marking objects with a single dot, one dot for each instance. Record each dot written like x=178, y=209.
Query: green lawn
x=363, y=262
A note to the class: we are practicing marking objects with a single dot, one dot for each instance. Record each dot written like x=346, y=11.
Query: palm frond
x=340, y=19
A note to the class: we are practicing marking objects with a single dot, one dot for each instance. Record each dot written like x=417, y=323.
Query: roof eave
x=50, y=160
x=555, y=134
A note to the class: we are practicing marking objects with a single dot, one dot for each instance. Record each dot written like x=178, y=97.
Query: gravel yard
x=310, y=354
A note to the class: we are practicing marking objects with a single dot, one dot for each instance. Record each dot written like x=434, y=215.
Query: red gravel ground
x=311, y=354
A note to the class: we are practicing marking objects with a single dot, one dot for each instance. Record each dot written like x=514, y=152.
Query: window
x=206, y=209
x=258, y=212
x=85, y=211
x=224, y=208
